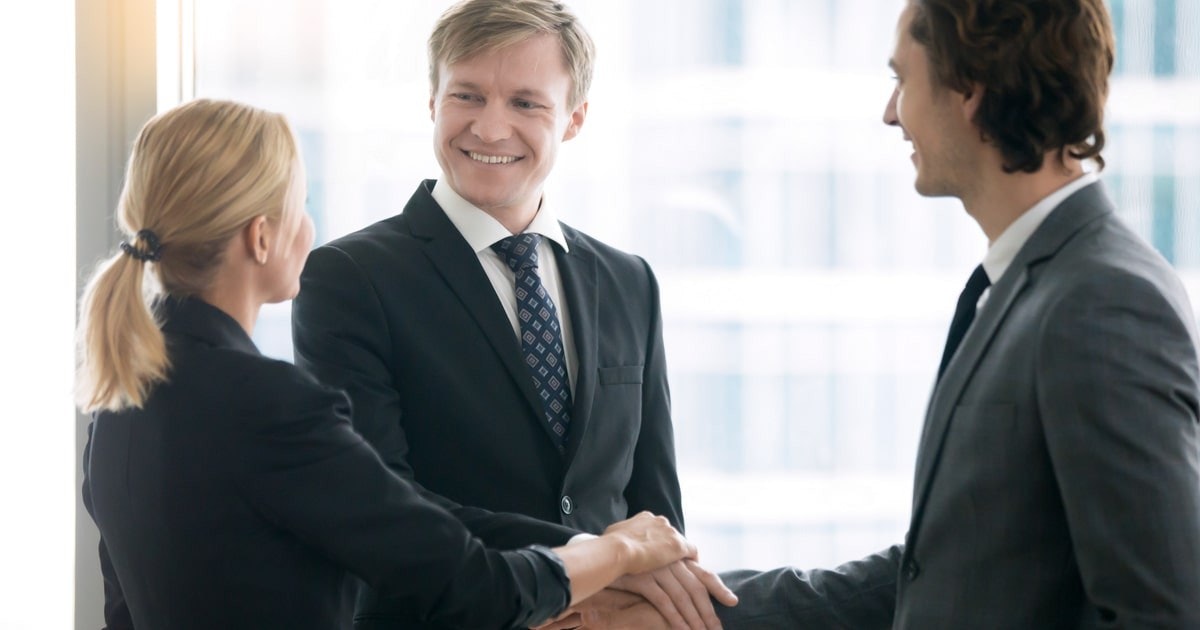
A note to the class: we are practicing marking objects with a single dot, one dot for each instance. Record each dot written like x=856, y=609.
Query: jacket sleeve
x=343, y=337
x=1117, y=392
x=116, y=612
x=654, y=483
x=305, y=470
x=859, y=595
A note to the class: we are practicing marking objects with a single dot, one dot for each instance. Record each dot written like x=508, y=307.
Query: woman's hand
x=649, y=542
x=636, y=545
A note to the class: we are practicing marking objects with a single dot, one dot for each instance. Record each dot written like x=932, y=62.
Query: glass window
x=737, y=146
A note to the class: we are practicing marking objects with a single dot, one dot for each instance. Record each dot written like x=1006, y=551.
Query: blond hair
x=472, y=27
x=197, y=175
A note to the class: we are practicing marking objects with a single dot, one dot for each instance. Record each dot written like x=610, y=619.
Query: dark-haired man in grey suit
x=1057, y=483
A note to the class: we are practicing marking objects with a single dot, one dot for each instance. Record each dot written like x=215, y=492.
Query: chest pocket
x=621, y=375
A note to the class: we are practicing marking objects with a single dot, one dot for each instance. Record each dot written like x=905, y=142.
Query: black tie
x=964, y=314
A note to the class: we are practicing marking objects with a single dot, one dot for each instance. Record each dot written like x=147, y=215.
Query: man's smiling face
x=499, y=118
x=933, y=117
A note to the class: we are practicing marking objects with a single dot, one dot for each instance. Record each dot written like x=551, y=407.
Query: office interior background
x=737, y=145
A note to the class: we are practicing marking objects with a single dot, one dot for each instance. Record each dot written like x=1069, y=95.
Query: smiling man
x=510, y=365
x=1057, y=480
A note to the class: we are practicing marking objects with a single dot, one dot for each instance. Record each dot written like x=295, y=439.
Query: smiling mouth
x=491, y=159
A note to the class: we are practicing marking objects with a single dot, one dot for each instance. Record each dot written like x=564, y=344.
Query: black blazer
x=402, y=315
x=239, y=495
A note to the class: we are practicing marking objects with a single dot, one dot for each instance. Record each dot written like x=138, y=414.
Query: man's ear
x=971, y=101
x=577, y=118
x=256, y=237
x=432, y=111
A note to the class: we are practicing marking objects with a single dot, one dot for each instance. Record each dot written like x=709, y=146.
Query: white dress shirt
x=481, y=230
x=1003, y=250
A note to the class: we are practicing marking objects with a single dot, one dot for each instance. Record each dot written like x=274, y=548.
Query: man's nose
x=492, y=124
x=889, y=112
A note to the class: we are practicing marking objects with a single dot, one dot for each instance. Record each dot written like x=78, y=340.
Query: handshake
x=662, y=585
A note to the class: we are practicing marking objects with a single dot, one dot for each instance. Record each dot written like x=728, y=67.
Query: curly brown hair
x=1043, y=65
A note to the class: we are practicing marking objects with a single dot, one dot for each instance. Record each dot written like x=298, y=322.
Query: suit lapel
x=578, y=270
x=459, y=266
x=948, y=391
x=1076, y=211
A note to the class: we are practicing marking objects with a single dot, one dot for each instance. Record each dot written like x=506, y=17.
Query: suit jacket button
x=911, y=570
x=567, y=505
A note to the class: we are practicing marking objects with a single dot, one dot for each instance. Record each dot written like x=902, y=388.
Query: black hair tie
x=154, y=248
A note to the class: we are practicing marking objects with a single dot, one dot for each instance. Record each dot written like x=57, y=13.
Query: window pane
x=806, y=287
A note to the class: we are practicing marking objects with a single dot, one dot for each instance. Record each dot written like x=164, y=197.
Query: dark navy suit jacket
x=402, y=316
x=239, y=496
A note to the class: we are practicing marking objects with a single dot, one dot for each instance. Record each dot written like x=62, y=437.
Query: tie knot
x=519, y=251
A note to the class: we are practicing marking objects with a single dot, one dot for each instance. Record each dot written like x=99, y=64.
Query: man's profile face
x=930, y=116
x=499, y=118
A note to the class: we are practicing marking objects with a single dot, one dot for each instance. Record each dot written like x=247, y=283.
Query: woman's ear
x=257, y=236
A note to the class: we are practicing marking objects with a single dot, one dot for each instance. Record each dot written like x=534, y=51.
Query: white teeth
x=491, y=159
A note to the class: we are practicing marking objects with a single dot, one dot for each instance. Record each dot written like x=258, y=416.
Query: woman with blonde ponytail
x=229, y=489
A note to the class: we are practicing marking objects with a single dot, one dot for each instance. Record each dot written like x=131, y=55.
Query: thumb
x=594, y=618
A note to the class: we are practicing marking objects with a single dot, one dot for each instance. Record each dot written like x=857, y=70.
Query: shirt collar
x=1004, y=250
x=481, y=230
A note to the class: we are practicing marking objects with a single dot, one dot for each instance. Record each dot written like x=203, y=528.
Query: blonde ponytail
x=197, y=175
x=122, y=352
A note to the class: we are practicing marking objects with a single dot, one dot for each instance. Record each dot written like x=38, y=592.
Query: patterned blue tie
x=541, y=335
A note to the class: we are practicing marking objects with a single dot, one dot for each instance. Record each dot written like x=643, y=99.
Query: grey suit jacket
x=1057, y=481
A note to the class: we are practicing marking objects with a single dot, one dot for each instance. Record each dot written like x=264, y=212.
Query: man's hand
x=675, y=597
x=611, y=608
x=606, y=600
x=641, y=616
x=680, y=592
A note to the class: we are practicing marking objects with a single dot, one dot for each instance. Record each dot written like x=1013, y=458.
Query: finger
x=614, y=597
x=641, y=616
x=597, y=619
x=573, y=620
x=649, y=587
x=609, y=600
x=712, y=582
x=691, y=597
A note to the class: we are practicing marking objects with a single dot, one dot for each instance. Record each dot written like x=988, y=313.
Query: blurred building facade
x=737, y=145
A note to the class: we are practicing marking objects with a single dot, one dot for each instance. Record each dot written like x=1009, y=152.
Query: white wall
x=37, y=259
x=115, y=96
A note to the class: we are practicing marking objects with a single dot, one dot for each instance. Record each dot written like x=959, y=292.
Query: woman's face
x=296, y=228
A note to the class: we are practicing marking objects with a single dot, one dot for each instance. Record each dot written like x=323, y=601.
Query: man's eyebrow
x=892, y=64
x=530, y=92
x=521, y=93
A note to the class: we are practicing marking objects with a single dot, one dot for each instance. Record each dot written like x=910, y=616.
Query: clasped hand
x=675, y=596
